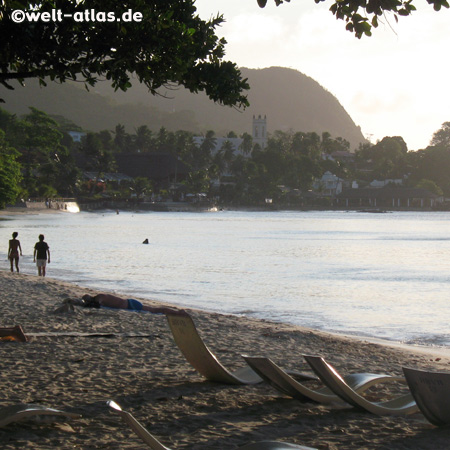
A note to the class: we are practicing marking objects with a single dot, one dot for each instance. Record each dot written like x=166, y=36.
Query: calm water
x=377, y=275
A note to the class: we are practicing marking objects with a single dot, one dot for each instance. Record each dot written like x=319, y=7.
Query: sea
x=381, y=276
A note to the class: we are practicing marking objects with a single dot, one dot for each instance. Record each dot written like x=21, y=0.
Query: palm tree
x=143, y=139
x=247, y=143
x=120, y=138
x=141, y=186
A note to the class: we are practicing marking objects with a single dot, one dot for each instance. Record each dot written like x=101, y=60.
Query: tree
x=39, y=144
x=48, y=165
x=429, y=186
x=197, y=182
x=442, y=136
x=166, y=42
x=329, y=145
x=43, y=133
x=197, y=157
x=209, y=143
x=141, y=186
x=98, y=158
x=225, y=156
x=306, y=144
x=388, y=157
x=301, y=172
x=432, y=164
x=362, y=15
x=247, y=143
x=121, y=138
x=9, y=173
x=143, y=139
x=164, y=141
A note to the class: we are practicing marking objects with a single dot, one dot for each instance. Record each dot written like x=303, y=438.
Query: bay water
x=383, y=276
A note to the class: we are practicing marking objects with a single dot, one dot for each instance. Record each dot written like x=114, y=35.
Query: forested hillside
x=289, y=99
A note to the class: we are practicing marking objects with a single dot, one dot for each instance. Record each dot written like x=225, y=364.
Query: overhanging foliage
x=362, y=15
x=171, y=44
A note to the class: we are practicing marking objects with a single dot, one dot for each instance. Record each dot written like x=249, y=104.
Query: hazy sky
x=395, y=83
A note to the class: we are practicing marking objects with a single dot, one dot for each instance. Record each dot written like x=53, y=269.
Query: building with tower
x=259, y=136
x=259, y=131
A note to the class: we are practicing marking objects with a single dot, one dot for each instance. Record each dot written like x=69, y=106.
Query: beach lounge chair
x=203, y=360
x=200, y=357
x=401, y=405
x=14, y=413
x=154, y=444
x=286, y=384
x=431, y=390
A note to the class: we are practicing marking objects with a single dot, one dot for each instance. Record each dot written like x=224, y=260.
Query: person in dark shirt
x=41, y=255
x=13, y=251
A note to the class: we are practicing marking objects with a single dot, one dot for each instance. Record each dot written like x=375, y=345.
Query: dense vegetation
x=38, y=158
x=290, y=99
x=167, y=43
x=361, y=16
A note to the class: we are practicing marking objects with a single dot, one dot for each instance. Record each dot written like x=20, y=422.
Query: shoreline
x=431, y=350
x=19, y=211
x=147, y=375
x=189, y=208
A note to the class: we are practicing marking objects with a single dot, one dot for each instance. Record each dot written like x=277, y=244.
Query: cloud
x=368, y=103
x=253, y=29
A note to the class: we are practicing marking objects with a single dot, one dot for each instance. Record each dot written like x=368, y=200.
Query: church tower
x=259, y=133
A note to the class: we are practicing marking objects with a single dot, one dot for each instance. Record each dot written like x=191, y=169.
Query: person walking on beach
x=13, y=251
x=41, y=255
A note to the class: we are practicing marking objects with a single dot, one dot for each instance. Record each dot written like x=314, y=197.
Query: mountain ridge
x=289, y=99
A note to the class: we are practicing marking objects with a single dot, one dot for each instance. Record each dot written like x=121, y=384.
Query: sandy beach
x=138, y=365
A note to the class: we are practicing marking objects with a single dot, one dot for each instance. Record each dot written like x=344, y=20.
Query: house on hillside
x=329, y=185
x=76, y=136
x=388, y=197
x=383, y=183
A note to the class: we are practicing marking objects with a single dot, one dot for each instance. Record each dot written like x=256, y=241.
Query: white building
x=383, y=183
x=76, y=135
x=329, y=184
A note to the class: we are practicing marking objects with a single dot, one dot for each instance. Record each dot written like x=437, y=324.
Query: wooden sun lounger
x=15, y=413
x=431, y=391
x=287, y=384
x=154, y=444
x=203, y=360
x=401, y=405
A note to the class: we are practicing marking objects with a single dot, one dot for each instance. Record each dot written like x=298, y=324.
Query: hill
x=289, y=99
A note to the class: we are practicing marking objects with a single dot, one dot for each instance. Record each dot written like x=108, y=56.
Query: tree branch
x=17, y=76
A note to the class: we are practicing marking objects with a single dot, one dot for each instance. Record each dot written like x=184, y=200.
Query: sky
x=394, y=83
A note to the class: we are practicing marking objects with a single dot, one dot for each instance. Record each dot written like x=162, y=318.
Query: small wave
x=430, y=341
